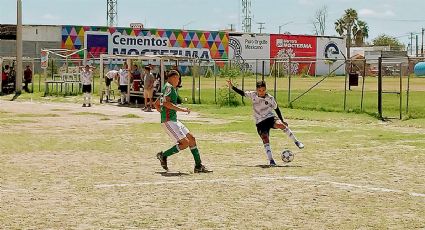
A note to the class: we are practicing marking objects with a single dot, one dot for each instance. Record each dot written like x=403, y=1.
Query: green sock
x=171, y=151
x=196, y=156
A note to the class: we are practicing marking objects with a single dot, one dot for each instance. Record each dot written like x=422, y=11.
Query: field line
x=337, y=185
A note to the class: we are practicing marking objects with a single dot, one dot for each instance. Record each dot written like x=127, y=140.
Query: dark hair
x=173, y=73
x=260, y=84
x=147, y=67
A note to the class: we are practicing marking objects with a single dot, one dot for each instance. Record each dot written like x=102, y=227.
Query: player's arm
x=279, y=115
x=238, y=91
x=169, y=105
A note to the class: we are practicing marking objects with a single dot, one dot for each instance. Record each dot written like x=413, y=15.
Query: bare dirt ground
x=67, y=167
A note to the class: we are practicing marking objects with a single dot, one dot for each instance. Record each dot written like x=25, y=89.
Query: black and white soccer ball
x=287, y=156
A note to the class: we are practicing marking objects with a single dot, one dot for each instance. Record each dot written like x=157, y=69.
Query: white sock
x=85, y=98
x=268, y=151
x=89, y=98
x=288, y=132
x=122, y=98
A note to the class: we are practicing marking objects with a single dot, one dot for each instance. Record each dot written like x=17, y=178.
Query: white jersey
x=86, y=77
x=111, y=74
x=263, y=106
x=123, y=77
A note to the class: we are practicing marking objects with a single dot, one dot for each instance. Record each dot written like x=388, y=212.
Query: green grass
x=38, y=115
x=131, y=115
x=328, y=96
x=89, y=113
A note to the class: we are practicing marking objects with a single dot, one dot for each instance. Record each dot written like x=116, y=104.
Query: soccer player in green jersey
x=167, y=105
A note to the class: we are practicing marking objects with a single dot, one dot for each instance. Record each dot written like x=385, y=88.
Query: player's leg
x=84, y=95
x=194, y=150
x=89, y=95
x=284, y=127
x=107, y=89
x=174, y=131
x=263, y=129
x=123, y=91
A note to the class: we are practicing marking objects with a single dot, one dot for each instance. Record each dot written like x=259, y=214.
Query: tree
x=351, y=26
x=319, y=21
x=360, y=32
x=386, y=40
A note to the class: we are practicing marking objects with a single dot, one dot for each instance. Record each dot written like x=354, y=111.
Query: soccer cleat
x=84, y=105
x=272, y=163
x=162, y=159
x=299, y=144
x=201, y=169
x=89, y=105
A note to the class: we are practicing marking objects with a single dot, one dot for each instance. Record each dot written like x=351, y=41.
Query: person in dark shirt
x=27, y=78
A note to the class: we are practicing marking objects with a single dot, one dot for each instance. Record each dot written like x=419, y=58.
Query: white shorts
x=176, y=130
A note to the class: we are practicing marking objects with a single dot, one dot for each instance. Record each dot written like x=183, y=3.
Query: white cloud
x=372, y=13
x=49, y=16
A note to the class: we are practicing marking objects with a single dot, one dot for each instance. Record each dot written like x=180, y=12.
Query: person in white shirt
x=263, y=105
x=86, y=81
x=109, y=77
x=124, y=75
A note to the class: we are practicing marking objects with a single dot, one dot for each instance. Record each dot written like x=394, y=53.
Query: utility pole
x=246, y=12
x=422, y=44
x=261, y=28
x=19, y=72
x=112, y=13
x=411, y=43
x=417, y=45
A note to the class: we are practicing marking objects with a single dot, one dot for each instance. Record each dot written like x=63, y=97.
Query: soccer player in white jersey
x=263, y=105
x=86, y=81
x=124, y=75
x=109, y=77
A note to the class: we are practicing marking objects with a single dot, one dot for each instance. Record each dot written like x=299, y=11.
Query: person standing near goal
x=109, y=78
x=123, y=74
x=86, y=81
x=263, y=105
x=167, y=105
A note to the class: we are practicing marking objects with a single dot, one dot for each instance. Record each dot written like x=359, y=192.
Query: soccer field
x=67, y=167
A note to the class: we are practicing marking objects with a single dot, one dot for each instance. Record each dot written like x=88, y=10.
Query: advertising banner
x=250, y=51
x=135, y=41
x=299, y=48
x=330, y=54
x=44, y=59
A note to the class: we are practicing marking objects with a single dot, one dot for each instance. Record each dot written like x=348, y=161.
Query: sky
x=397, y=18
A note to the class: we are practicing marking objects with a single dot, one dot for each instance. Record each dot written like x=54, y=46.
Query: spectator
x=5, y=75
x=123, y=74
x=136, y=76
x=86, y=81
x=27, y=78
x=148, y=80
x=110, y=76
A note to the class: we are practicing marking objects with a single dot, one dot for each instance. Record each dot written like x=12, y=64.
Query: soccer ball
x=287, y=156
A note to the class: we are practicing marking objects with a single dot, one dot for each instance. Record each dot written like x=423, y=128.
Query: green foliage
x=386, y=40
x=229, y=72
x=228, y=97
x=209, y=73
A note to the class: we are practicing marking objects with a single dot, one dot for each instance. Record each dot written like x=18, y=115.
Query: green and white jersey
x=168, y=114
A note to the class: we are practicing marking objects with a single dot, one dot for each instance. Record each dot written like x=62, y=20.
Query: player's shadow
x=172, y=174
x=268, y=166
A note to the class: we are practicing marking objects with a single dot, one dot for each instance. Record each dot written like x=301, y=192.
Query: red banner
x=301, y=49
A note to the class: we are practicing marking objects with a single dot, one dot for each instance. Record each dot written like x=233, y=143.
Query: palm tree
x=360, y=32
x=340, y=26
x=350, y=25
